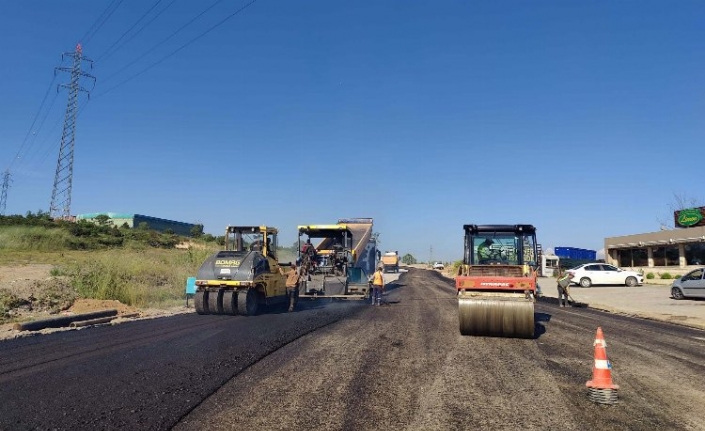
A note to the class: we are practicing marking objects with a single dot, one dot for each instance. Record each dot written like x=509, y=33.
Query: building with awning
x=680, y=247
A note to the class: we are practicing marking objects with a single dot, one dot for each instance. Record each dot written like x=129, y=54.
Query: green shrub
x=650, y=276
x=666, y=276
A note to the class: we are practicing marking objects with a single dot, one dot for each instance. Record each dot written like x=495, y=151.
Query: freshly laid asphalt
x=352, y=366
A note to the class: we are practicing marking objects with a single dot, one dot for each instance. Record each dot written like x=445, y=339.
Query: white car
x=601, y=273
x=438, y=265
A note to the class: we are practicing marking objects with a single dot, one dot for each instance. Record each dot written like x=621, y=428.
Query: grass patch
x=140, y=278
x=35, y=238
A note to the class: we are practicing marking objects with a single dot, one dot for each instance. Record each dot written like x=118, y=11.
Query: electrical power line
x=107, y=51
x=163, y=41
x=141, y=28
x=24, y=141
x=36, y=133
x=218, y=24
x=107, y=13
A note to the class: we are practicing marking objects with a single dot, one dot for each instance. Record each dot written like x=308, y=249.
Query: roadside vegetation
x=137, y=266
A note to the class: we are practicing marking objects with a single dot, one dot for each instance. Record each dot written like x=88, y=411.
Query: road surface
x=352, y=366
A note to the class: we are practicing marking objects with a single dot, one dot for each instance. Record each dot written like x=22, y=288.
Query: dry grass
x=140, y=278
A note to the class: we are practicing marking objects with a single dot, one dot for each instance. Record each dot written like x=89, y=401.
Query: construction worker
x=563, y=288
x=484, y=252
x=308, y=248
x=292, y=285
x=309, y=254
x=377, y=286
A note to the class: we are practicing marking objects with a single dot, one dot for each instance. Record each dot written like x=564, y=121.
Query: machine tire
x=676, y=293
x=631, y=281
x=230, y=302
x=200, y=302
x=247, y=302
x=215, y=302
x=585, y=282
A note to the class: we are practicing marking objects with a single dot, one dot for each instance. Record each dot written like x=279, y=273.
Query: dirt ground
x=34, y=294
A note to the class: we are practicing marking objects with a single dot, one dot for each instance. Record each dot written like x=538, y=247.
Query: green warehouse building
x=134, y=220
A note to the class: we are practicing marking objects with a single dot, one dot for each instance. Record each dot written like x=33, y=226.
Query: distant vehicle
x=390, y=261
x=691, y=285
x=438, y=265
x=590, y=274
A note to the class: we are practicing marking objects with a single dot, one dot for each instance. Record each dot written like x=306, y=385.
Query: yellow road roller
x=242, y=277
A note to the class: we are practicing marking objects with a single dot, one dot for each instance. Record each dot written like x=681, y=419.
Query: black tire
x=215, y=302
x=585, y=282
x=676, y=293
x=200, y=302
x=631, y=281
x=247, y=302
x=230, y=302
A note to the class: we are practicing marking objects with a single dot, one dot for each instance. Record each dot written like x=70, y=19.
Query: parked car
x=691, y=285
x=438, y=265
x=589, y=274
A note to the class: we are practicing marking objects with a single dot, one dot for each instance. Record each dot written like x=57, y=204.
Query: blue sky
x=582, y=118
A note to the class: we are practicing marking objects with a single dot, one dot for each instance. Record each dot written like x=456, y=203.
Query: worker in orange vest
x=293, y=278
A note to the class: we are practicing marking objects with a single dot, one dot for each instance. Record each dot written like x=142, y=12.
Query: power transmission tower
x=63, y=179
x=3, y=193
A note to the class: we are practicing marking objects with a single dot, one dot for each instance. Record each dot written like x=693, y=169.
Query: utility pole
x=3, y=193
x=430, y=255
x=63, y=179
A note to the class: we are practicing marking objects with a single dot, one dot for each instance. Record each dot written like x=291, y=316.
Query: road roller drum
x=496, y=316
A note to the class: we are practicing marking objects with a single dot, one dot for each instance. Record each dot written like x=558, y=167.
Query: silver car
x=691, y=285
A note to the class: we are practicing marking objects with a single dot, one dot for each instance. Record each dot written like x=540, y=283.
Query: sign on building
x=690, y=217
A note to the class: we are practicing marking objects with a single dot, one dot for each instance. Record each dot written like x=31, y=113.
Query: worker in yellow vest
x=377, y=286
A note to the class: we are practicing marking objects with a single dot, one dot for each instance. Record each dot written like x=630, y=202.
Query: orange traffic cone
x=600, y=388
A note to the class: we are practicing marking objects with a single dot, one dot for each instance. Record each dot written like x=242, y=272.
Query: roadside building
x=676, y=248
x=135, y=220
